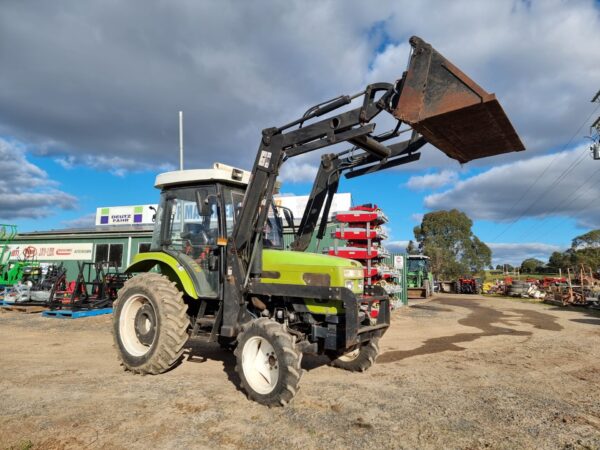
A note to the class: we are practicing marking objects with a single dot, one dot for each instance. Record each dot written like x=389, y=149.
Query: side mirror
x=152, y=208
x=204, y=203
x=289, y=217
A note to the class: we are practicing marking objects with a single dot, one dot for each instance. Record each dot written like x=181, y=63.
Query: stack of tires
x=518, y=289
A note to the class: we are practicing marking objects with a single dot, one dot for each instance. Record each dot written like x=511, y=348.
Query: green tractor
x=285, y=304
x=217, y=269
x=13, y=272
x=419, y=278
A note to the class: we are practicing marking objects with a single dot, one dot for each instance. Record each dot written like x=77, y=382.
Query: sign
x=297, y=204
x=398, y=262
x=51, y=252
x=125, y=215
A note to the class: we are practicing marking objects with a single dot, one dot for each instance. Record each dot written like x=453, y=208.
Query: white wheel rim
x=350, y=356
x=260, y=365
x=129, y=339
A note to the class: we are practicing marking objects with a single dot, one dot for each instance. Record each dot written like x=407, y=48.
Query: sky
x=90, y=93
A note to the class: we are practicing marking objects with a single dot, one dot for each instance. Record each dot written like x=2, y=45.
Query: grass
x=23, y=445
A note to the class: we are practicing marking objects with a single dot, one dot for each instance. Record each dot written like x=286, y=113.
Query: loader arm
x=427, y=110
x=327, y=181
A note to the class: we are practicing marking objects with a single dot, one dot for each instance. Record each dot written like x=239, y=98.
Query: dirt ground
x=460, y=372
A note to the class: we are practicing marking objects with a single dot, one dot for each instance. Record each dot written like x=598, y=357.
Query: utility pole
x=180, y=140
x=595, y=147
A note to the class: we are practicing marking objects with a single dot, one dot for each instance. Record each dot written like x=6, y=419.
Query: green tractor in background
x=419, y=278
x=12, y=273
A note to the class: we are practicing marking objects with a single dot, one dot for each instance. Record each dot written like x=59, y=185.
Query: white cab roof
x=219, y=172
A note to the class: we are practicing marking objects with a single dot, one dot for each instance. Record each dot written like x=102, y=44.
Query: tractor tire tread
x=174, y=319
x=365, y=359
x=287, y=387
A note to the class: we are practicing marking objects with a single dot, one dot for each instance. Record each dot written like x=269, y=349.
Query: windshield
x=233, y=199
x=273, y=229
x=415, y=265
x=188, y=228
x=192, y=219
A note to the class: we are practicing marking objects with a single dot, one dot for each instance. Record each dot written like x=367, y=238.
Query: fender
x=144, y=262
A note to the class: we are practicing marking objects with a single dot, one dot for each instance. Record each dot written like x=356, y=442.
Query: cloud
x=293, y=172
x=116, y=165
x=25, y=189
x=86, y=221
x=432, y=180
x=569, y=188
x=417, y=217
x=396, y=246
x=516, y=253
x=104, y=88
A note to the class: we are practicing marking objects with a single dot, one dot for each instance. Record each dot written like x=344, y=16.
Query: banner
x=52, y=252
x=126, y=215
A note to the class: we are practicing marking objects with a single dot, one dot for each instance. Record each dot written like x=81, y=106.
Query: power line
x=541, y=175
x=559, y=205
x=567, y=218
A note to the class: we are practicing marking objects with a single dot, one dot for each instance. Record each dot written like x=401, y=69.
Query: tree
x=560, y=260
x=585, y=249
x=532, y=265
x=588, y=240
x=411, y=249
x=446, y=237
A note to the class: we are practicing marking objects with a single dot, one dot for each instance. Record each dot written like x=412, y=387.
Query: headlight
x=349, y=284
x=353, y=273
x=361, y=285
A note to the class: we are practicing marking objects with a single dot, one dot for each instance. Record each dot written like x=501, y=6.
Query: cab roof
x=219, y=172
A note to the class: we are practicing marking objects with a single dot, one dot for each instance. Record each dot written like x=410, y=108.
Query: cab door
x=191, y=235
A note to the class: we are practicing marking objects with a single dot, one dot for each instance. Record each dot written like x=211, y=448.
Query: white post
x=180, y=140
x=128, y=251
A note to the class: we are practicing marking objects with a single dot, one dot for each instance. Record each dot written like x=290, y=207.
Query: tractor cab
x=195, y=218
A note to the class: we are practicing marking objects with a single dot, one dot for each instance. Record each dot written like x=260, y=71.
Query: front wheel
x=358, y=359
x=268, y=362
x=150, y=324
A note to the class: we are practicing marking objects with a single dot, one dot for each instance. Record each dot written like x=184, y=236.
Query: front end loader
x=217, y=269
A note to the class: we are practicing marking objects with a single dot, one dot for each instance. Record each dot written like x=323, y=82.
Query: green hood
x=287, y=267
x=272, y=257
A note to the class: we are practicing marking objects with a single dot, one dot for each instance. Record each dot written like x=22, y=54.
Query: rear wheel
x=358, y=359
x=150, y=324
x=268, y=363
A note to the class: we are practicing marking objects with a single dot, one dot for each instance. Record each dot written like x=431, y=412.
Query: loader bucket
x=452, y=111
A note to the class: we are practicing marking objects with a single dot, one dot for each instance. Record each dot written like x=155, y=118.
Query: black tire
x=227, y=343
x=150, y=342
x=428, y=289
x=359, y=359
x=282, y=361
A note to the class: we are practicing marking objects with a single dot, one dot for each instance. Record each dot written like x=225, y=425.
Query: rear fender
x=145, y=262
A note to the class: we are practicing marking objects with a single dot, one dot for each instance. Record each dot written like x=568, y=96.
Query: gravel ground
x=456, y=372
